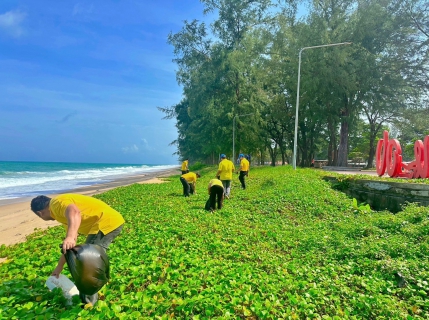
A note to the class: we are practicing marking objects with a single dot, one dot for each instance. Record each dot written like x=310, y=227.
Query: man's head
x=222, y=156
x=40, y=206
x=241, y=155
x=198, y=175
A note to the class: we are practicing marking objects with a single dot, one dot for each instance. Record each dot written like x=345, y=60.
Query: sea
x=28, y=179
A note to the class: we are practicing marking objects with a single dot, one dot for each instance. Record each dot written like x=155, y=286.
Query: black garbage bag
x=89, y=267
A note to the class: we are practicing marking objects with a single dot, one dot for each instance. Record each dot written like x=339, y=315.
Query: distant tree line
x=246, y=62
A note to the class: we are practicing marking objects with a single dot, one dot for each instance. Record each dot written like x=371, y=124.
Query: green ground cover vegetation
x=288, y=247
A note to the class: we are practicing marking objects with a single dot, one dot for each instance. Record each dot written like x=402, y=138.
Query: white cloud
x=11, y=22
x=146, y=146
x=132, y=149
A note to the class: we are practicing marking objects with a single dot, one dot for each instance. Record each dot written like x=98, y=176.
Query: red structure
x=389, y=157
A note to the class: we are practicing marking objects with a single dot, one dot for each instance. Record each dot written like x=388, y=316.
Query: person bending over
x=189, y=181
x=80, y=215
x=215, y=189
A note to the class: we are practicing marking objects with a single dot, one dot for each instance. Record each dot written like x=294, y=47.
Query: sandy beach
x=17, y=220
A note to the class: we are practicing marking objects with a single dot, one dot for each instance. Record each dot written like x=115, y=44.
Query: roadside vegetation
x=288, y=247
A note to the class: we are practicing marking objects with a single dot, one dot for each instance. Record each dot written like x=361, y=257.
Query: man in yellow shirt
x=244, y=170
x=189, y=181
x=215, y=189
x=225, y=170
x=80, y=214
x=185, y=166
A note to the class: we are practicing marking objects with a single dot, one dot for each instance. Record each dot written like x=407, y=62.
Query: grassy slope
x=287, y=247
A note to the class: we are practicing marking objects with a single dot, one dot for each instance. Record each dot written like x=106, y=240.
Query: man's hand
x=68, y=243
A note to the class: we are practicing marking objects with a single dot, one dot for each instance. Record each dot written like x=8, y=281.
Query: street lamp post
x=297, y=94
x=233, y=133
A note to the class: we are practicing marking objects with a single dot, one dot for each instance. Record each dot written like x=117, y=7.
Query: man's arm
x=59, y=267
x=73, y=223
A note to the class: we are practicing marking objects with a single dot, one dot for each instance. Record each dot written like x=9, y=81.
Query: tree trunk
x=273, y=154
x=332, y=146
x=344, y=141
x=371, y=155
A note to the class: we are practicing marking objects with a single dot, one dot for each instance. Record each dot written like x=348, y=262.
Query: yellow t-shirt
x=190, y=177
x=226, y=168
x=215, y=182
x=185, y=165
x=244, y=165
x=96, y=215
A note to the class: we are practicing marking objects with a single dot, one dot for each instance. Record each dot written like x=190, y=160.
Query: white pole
x=295, y=140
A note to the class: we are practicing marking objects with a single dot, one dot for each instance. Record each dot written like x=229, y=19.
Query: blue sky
x=80, y=80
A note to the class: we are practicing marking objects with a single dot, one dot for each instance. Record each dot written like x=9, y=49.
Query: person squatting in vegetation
x=224, y=174
x=244, y=170
x=185, y=166
x=215, y=189
x=189, y=181
x=80, y=215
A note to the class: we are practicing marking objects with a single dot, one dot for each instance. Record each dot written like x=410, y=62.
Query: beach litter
x=65, y=284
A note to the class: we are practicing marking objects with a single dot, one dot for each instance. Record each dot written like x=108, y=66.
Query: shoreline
x=17, y=221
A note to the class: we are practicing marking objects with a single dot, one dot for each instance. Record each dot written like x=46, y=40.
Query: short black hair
x=39, y=203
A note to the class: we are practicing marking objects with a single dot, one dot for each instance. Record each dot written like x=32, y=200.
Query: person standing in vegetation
x=185, y=166
x=244, y=170
x=215, y=189
x=189, y=181
x=226, y=168
x=80, y=215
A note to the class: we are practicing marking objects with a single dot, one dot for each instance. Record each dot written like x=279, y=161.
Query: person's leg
x=227, y=187
x=241, y=178
x=104, y=241
x=212, y=198
x=185, y=185
x=207, y=206
x=218, y=191
x=224, y=186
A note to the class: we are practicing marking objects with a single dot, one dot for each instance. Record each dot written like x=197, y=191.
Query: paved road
x=368, y=172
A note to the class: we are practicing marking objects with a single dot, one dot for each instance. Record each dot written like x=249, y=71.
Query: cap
x=241, y=155
x=222, y=156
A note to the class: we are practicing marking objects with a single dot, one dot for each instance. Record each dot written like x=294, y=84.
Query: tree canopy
x=242, y=70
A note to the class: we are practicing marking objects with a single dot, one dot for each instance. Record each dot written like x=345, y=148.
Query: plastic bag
x=89, y=267
x=69, y=289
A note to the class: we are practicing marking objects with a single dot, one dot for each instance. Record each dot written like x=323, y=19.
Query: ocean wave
x=29, y=182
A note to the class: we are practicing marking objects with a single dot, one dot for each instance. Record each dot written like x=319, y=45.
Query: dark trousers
x=241, y=178
x=187, y=188
x=216, y=196
x=103, y=240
